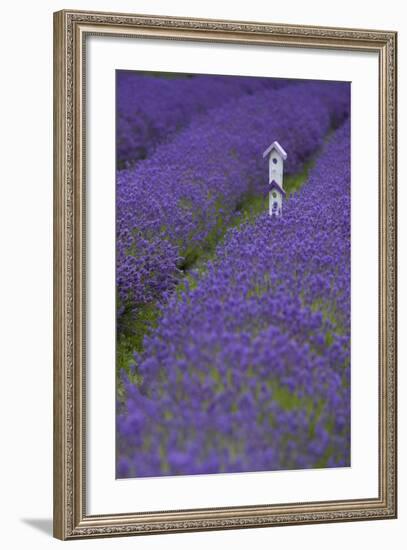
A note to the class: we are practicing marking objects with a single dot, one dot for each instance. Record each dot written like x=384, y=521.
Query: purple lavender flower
x=249, y=366
x=150, y=108
x=174, y=203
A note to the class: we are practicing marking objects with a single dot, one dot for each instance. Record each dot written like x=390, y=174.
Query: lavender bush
x=177, y=202
x=248, y=368
x=151, y=108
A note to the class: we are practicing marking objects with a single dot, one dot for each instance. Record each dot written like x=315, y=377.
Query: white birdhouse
x=277, y=156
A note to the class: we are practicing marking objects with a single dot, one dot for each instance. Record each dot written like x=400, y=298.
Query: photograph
x=233, y=274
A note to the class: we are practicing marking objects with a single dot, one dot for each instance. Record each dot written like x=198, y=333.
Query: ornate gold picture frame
x=71, y=518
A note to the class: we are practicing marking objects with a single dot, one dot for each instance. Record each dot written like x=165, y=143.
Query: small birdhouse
x=276, y=156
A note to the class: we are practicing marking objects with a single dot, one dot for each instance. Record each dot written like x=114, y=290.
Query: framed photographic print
x=225, y=274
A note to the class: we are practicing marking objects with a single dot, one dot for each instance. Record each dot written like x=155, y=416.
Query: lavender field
x=233, y=326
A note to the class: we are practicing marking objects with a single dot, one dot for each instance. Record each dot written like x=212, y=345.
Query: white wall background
x=26, y=271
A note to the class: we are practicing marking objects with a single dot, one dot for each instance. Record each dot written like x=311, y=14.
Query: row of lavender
x=151, y=108
x=170, y=205
x=249, y=368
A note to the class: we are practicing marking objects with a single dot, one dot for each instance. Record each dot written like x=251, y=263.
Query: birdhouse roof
x=275, y=145
x=275, y=185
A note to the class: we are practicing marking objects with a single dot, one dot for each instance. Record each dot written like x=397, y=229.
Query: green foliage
x=131, y=339
x=294, y=182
